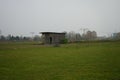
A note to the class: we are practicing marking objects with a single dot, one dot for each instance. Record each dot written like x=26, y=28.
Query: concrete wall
x=53, y=38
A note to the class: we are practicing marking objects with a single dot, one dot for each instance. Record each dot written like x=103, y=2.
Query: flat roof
x=52, y=32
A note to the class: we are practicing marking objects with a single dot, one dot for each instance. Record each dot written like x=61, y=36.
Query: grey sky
x=20, y=17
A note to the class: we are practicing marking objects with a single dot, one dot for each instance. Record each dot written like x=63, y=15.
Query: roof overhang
x=52, y=33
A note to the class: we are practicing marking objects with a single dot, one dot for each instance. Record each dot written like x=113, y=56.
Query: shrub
x=64, y=41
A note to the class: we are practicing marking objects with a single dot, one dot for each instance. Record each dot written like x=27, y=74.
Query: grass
x=80, y=61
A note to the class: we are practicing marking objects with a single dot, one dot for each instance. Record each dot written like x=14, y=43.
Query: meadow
x=76, y=61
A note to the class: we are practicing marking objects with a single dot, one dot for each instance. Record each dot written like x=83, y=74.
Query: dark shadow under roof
x=52, y=32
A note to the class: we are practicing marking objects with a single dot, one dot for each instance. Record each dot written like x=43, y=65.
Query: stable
x=52, y=37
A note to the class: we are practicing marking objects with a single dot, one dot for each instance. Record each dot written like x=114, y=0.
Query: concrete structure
x=52, y=37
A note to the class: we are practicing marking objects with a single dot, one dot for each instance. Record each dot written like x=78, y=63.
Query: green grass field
x=80, y=61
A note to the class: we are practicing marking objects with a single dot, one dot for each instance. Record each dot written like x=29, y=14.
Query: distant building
x=52, y=37
x=116, y=35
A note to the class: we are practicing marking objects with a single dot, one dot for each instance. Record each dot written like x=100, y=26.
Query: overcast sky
x=20, y=17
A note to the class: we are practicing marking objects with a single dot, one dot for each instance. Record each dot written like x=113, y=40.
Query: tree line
x=19, y=38
x=86, y=36
x=71, y=36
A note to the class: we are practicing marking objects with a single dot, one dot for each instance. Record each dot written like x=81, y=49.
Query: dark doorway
x=50, y=40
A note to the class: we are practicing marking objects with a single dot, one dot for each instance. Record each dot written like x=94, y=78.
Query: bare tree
x=0, y=32
x=73, y=37
x=32, y=33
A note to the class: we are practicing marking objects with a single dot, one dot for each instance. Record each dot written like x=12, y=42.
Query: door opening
x=50, y=40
